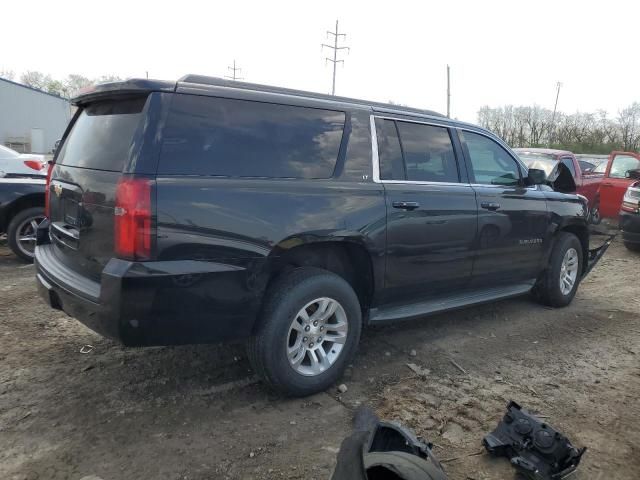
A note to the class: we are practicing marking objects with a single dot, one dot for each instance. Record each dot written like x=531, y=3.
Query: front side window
x=490, y=163
x=240, y=138
x=622, y=164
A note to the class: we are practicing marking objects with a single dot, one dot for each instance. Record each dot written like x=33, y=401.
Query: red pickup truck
x=587, y=183
x=604, y=187
x=615, y=180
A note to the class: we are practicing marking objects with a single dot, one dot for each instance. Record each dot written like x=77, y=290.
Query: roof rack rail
x=223, y=82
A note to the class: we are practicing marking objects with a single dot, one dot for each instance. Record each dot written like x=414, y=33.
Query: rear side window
x=490, y=163
x=428, y=153
x=389, y=151
x=102, y=135
x=240, y=138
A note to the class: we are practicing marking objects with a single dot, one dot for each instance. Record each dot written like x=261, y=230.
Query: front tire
x=308, y=333
x=559, y=283
x=21, y=233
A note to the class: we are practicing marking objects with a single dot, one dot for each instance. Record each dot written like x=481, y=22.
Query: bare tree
x=8, y=74
x=35, y=79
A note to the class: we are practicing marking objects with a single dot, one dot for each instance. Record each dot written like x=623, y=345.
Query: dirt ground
x=197, y=412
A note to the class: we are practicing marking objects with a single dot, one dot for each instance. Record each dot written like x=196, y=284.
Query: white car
x=14, y=164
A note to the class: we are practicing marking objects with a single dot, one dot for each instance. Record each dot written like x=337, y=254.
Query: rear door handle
x=490, y=205
x=406, y=205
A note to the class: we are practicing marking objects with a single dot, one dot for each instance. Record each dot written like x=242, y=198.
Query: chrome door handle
x=490, y=205
x=406, y=205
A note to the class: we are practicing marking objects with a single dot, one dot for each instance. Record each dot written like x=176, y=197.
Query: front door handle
x=406, y=205
x=490, y=206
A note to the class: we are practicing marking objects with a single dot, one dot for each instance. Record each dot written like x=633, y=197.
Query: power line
x=234, y=69
x=335, y=48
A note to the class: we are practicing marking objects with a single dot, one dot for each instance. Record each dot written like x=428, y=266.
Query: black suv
x=208, y=210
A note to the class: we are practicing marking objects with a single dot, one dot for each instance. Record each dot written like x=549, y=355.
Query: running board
x=405, y=312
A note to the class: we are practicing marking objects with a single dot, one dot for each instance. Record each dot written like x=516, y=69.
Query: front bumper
x=154, y=303
x=595, y=254
x=630, y=225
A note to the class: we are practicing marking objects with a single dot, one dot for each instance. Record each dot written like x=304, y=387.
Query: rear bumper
x=630, y=225
x=154, y=303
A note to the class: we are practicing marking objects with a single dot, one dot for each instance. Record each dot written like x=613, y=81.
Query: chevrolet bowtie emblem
x=58, y=189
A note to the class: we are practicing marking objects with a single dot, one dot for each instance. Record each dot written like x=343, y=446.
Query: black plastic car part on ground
x=378, y=450
x=178, y=213
x=535, y=449
x=21, y=210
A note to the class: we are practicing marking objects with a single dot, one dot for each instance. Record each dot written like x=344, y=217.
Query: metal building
x=31, y=120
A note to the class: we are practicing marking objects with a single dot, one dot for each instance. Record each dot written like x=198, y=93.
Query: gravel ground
x=197, y=412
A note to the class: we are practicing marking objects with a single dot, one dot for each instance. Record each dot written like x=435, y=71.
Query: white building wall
x=23, y=108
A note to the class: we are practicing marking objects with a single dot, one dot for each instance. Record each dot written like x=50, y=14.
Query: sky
x=500, y=52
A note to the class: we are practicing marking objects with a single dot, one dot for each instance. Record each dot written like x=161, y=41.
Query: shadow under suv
x=208, y=210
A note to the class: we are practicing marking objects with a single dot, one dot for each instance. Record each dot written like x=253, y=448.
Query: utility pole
x=234, y=69
x=448, y=92
x=553, y=117
x=335, y=48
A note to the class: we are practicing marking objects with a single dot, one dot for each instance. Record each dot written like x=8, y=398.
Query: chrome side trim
x=374, y=150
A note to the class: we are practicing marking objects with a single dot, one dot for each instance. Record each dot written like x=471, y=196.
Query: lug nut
x=311, y=344
x=315, y=324
x=307, y=328
x=305, y=339
x=321, y=328
x=319, y=339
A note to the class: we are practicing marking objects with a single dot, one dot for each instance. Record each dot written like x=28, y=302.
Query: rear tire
x=23, y=226
x=287, y=341
x=558, y=284
x=634, y=247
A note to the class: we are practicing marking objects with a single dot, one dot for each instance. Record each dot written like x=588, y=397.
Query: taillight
x=34, y=164
x=132, y=215
x=47, y=190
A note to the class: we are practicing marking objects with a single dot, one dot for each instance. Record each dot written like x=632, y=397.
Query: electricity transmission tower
x=335, y=48
x=234, y=69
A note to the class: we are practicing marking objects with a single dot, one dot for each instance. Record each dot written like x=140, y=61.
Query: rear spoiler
x=133, y=86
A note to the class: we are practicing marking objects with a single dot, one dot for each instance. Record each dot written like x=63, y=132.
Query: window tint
x=389, y=151
x=428, y=153
x=491, y=164
x=569, y=164
x=102, y=135
x=622, y=164
x=239, y=138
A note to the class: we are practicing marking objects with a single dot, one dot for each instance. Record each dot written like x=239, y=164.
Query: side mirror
x=536, y=176
x=561, y=179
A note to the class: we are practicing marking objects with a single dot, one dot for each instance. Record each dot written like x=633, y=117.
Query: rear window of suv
x=241, y=138
x=102, y=135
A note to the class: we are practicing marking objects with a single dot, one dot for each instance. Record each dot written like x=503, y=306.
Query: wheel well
x=28, y=201
x=350, y=261
x=582, y=232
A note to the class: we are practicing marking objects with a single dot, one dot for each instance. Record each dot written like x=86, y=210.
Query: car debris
x=535, y=449
x=378, y=450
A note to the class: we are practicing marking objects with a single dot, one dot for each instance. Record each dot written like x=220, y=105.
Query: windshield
x=541, y=161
